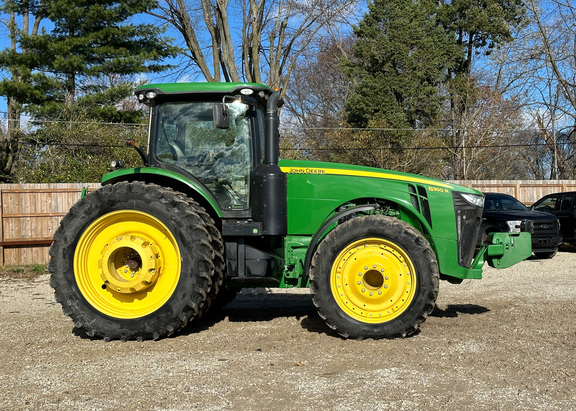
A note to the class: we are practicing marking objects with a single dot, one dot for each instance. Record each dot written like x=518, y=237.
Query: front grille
x=414, y=197
x=545, y=227
x=468, y=221
x=419, y=199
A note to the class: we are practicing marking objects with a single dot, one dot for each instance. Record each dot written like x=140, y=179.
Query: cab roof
x=204, y=87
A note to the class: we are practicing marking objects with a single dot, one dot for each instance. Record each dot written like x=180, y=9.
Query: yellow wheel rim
x=373, y=280
x=127, y=264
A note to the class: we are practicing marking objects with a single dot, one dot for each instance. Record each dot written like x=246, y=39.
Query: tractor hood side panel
x=315, y=190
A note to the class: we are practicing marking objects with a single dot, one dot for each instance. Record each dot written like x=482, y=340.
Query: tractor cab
x=225, y=138
x=214, y=139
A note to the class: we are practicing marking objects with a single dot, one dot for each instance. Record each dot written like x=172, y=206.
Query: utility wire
x=423, y=148
x=44, y=144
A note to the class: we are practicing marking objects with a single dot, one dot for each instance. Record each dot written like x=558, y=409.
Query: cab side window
x=567, y=202
x=221, y=159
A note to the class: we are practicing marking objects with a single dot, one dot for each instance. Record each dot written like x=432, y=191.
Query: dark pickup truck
x=504, y=213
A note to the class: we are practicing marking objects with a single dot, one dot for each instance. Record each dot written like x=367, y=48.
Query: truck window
x=548, y=204
x=567, y=202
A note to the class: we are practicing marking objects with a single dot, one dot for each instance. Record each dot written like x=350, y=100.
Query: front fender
x=368, y=208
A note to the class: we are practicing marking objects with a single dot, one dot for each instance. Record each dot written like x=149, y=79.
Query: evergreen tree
x=21, y=85
x=400, y=62
x=89, y=39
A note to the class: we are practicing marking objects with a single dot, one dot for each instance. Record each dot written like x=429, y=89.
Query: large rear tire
x=374, y=277
x=134, y=261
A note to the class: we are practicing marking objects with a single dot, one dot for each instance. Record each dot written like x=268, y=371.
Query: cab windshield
x=220, y=159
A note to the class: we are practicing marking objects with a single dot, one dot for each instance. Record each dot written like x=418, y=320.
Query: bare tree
x=251, y=40
x=25, y=19
x=314, y=107
x=547, y=57
x=493, y=128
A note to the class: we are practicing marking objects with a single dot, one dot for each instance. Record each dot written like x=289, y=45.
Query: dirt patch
x=506, y=342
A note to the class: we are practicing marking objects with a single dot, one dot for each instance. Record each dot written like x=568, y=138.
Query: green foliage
x=412, y=70
x=72, y=152
x=400, y=60
x=79, y=68
x=480, y=25
x=38, y=268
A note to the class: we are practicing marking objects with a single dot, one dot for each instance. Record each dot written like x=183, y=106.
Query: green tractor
x=214, y=210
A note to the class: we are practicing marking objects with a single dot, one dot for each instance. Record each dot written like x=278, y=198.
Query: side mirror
x=220, y=115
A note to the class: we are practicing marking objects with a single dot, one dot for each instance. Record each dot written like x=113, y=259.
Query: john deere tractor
x=213, y=210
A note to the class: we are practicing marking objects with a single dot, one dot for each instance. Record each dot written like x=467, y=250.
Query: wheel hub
x=373, y=279
x=129, y=264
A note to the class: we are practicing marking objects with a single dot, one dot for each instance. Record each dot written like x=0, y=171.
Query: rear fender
x=167, y=178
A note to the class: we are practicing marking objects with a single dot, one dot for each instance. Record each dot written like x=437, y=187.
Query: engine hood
x=319, y=168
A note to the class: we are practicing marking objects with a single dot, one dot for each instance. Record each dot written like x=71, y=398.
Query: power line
x=45, y=144
x=422, y=148
x=34, y=122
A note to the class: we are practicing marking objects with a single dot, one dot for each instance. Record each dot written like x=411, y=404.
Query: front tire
x=374, y=277
x=133, y=261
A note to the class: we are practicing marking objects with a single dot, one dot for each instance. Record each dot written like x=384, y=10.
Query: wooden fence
x=527, y=191
x=31, y=213
x=29, y=216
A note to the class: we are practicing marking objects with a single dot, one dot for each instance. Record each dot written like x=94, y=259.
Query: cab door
x=566, y=213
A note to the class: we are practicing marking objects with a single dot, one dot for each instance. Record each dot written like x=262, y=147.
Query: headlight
x=473, y=199
x=117, y=164
x=514, y=226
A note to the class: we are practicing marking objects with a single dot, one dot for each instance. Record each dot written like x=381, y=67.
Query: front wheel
x=374, y=277
x=134, y=261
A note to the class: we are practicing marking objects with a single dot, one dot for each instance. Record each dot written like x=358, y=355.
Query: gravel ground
x=506, y=342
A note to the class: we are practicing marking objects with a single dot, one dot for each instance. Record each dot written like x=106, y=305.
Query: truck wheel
x=374, y=277
x=132, y=261
x=546, y=255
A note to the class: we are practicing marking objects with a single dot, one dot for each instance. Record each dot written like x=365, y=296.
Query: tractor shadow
x=454, y=310
x=261, y=305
